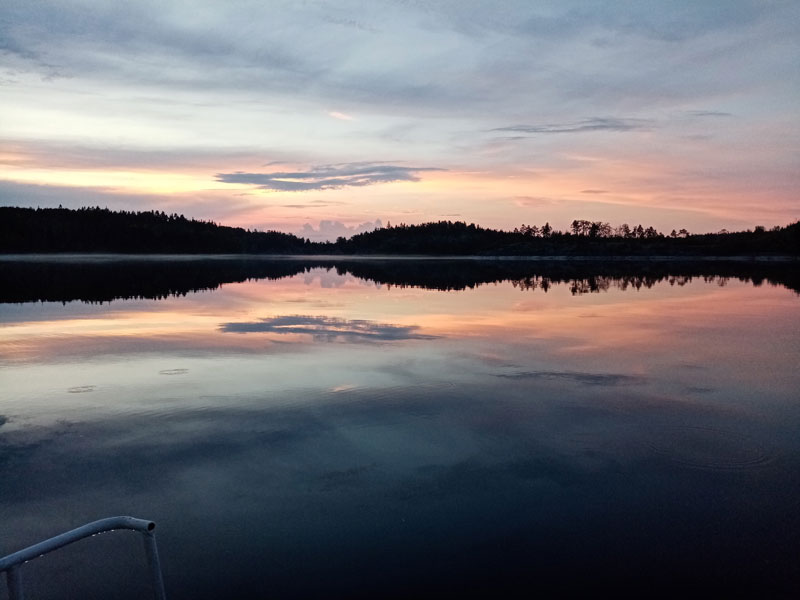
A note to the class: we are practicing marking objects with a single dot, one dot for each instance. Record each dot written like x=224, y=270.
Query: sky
x=328, y=118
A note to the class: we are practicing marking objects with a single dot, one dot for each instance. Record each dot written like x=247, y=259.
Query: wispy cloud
x=327, y=177
x=196, y=205
x=329, y=329
x=583, y=126
x=708, y=113
x=58, y=154
x=427, y=81
x=341, y=116
x=534, y=201
x=314, y=204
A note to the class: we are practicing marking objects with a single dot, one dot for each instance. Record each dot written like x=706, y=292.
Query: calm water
x=370, y=428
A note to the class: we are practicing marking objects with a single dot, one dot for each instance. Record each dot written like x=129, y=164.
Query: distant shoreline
x=101, y=232
x=108, y=257
x=62, y=277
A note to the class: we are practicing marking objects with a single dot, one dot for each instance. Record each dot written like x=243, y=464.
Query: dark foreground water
x=397, y=429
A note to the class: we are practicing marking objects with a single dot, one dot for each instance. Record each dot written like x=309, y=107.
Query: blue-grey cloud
x=583, y=126
x=277, y=49
x=286, y=58
x=329, y=329
x=50, y=196
x=197, y=205
x=708, y=113
x=673, y=22
x=327, y=177
x=53, y=154
x=425, y=80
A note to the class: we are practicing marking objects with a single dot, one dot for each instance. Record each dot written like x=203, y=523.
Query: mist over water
x=386, y=429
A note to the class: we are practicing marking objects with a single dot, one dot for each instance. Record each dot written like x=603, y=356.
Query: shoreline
x=141, y=257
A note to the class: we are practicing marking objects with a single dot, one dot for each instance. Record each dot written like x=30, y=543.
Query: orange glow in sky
x=671, y=115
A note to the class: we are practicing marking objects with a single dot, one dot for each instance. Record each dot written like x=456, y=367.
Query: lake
x=375, y=428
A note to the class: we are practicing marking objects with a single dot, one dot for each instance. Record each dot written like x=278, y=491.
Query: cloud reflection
x=329, y=329
x=602, y=379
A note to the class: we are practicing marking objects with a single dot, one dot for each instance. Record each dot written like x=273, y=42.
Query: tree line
x=95, y=229
x=583, y=238
x=100, y=230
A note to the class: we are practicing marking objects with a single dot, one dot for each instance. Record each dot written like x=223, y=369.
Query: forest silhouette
x=100, y=230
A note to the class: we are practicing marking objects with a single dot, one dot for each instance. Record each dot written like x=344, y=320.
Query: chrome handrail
x=11, y=563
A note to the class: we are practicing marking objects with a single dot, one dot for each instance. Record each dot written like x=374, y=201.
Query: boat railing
x=12, y=563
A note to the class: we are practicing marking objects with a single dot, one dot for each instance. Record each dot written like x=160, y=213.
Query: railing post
x=11, y=564
x=151, y=550
x=14, y=580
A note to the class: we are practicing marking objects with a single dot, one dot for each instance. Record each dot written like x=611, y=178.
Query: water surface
x=376, y=428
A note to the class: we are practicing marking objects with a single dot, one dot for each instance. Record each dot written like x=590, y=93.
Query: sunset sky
x=325, y=118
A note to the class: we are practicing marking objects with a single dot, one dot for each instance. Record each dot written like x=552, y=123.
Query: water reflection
x=320, y=434
x=604, y=379
x=93, y=279
x=329, y=328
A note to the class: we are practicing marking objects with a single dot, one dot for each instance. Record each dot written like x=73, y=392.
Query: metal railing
x=11, y=563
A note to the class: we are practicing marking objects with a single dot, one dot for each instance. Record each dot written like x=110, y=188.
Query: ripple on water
x=709, y=448
x=81, y=389
x=173, y=372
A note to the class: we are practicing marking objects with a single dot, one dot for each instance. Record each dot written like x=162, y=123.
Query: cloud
x=49, y=196
x=594, y=191
x=198, y=205
x=462, y=60
x=52, y=154
x=708, y=113
x=314, y=204
x=151, y=82
x=329, y=329
x=583, y=126
x=534, y=201
x=330, y=230
x=327, y=177
x=341, y=116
